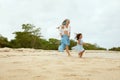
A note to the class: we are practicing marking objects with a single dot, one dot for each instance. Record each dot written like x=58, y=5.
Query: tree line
x=30, y=37
x=115, y=49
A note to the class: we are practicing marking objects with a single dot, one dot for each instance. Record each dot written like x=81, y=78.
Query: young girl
x=79, y=46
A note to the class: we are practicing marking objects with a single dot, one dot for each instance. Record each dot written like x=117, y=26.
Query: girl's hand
x=58, y=27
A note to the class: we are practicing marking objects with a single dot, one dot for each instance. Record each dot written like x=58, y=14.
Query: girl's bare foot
x=79, y=55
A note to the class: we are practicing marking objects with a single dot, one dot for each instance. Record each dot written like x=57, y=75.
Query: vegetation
x=30, y=37
x=89, y=46
x=115, y=49
x=3, y=42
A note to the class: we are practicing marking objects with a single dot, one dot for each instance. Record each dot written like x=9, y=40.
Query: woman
x=65, y=35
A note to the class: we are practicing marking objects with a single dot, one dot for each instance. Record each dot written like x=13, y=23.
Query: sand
x=31, y=64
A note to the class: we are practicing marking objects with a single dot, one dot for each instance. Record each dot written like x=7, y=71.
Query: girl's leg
x=67, y=50
x=81, y=53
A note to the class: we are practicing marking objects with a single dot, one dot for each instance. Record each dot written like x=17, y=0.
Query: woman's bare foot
x=69, y=55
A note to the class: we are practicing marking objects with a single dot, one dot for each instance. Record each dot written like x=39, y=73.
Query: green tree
x=72, y=43
x=3, y=42
x=53, y=44
x=115, y=49
x=28, y=38
x=44, y=44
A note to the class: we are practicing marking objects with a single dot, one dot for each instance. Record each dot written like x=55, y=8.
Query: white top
x=64, y=29
x=81, y=42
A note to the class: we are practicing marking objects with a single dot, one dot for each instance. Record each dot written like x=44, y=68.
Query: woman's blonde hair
x=64, y=22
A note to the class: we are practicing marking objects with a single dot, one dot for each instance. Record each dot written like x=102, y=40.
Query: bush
x=115, y=49
x=3, y=42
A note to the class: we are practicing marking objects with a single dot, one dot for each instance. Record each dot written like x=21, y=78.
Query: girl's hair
x=78, y=35
x=64, y=22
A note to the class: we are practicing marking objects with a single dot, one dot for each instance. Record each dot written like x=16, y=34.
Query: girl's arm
x=78, y=41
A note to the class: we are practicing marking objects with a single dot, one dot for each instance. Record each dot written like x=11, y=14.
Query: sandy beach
x=31, y=64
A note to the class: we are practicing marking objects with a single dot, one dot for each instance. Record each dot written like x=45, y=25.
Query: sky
x=97, y=20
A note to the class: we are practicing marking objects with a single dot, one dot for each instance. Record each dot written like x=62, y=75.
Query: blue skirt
x=64, y=42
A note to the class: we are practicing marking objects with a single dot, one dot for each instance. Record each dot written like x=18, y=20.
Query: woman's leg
x=67, y=50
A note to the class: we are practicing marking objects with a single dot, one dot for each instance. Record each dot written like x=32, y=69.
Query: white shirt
x=64, y=29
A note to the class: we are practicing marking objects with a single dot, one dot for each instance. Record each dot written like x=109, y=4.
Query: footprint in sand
x=113, y=69
x=16, y=62
x=67, y=75
x=119, y=67
x=39, y=77
x=19, y=71
x=93, y=71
